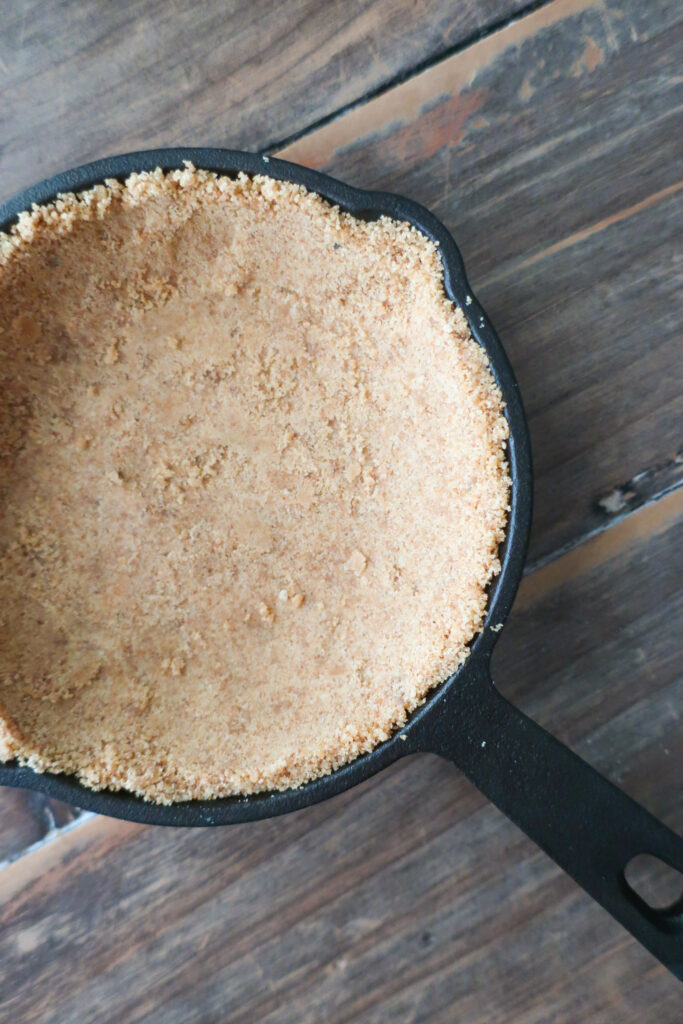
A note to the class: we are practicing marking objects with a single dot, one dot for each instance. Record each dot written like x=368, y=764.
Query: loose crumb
x=111, y=355
x=356, y=562
x=266, y=612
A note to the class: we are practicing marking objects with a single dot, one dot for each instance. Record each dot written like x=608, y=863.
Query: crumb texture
x=252, y=484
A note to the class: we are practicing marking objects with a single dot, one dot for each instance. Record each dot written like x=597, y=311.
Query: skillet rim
x=411, y=738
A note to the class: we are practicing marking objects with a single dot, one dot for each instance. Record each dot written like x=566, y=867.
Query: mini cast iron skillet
x=587, y=825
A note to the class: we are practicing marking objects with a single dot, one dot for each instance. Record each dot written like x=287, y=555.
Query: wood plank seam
x=437, y=57
x=579, y=236
x=53, y=832
x=644, y=489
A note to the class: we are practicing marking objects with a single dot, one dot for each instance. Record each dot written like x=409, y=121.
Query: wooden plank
x=550, y=149
x=27, y=818
x=80, y=80
x=407, y=897
x=20, y=825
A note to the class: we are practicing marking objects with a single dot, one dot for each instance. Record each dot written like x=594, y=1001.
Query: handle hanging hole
x=656, y=883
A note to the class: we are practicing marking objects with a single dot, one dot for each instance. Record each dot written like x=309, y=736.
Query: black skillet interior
x=585, y=823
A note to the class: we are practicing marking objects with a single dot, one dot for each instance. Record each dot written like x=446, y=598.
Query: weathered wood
x=550, y=149
x=407, y=899
x=26, y=818
x=80, y=80
x=22, y=821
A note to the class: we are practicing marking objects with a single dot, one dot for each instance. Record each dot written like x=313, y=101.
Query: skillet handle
x=585, y=823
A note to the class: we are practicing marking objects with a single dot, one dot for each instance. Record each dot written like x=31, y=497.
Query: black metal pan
x=587, y=825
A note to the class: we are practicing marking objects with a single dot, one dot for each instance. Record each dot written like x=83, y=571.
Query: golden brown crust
x=252, y=484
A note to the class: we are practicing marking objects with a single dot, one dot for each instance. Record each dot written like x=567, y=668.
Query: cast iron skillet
x=587, y=825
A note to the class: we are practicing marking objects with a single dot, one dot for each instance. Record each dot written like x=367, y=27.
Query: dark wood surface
x=81, y=79
x=551, y=148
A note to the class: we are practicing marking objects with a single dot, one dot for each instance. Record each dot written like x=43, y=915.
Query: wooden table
x=546, y=136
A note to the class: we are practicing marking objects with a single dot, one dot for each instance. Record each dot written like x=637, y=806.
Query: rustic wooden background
x=547, y=136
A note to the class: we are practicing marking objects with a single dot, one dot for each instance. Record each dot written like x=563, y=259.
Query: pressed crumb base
x=252, y=484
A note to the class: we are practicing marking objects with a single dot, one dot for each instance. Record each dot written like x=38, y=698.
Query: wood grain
x=27, y=818
x=406, y=898
x=81, y=79
x=550, y=149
